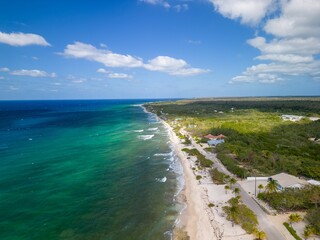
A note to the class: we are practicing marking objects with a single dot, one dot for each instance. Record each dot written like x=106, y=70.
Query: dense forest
x=259, y=141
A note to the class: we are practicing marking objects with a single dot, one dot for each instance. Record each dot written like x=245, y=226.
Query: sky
x=123, y=49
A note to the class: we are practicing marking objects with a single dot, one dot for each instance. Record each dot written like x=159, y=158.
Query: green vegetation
x=217, y=176
x=198, y=177
x=294, y=218
x=292, y=231
x=201, y=159
x=260, y=234
x=236, y=191
x=210, y=205
x=290, y=200
x=313, y=220
x=240, y=214
x=258, y=141
x=272, y=186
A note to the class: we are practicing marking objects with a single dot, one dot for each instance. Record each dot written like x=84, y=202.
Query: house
x=212, y=137
x=314, y=182
x=287, y=181
x=215, y=142
x=292, y=118
x=314, y=119
x=209, y=136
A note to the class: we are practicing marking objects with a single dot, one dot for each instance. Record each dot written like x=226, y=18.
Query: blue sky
x=158, y=49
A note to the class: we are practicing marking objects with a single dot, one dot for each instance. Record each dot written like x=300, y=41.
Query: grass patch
x=240, y=214
x=217, y=176
x=204, y=162
x=292, y=231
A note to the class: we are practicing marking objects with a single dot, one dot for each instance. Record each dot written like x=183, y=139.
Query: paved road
x=265, y=224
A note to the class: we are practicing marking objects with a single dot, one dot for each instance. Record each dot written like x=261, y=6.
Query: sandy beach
x=200, y=221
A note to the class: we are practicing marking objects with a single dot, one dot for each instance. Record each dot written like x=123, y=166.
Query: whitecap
x=162, y=154
x=163, y=180
x=153, y=129
x=138, y=130
x=145, y=137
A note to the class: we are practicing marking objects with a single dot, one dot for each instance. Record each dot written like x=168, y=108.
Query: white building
x=286, y=181
x=293, y=118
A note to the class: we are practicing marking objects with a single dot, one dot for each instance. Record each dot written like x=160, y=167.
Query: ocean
x=85, y=169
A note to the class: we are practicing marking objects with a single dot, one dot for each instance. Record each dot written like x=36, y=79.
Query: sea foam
x=145, y=137
x=138, y=130
x=153, y=129
x=163, y=180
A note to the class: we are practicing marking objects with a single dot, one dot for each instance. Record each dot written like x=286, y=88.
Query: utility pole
x=255, y=186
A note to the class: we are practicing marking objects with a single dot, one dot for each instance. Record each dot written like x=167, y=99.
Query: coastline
x=197, y=220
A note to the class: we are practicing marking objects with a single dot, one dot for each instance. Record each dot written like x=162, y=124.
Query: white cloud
x=102, y=70
x=32, y=73
x=157, y=2
x=75, y=79
x=260, y=77
x=109, y=59
x=248, y=11
x=4, y=69
x=166, y=64
x=290, y=58
x=294, y=47
x=299, y=18
x=172, y=66
x=275, y=71
x=196, y=42
x=297, y=46
x=181, y=7
x=22, y=39
x=119, y=75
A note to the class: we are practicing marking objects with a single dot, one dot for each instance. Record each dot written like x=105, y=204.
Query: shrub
x=314, y=220
x=198, y=177
x=217, y=176
x=242, y=215
x=292, y=231
x=210, y=205
x=202, y=160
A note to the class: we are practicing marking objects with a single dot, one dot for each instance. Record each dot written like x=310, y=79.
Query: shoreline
x=197, y=220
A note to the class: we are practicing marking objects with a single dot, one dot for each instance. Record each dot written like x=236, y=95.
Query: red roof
x=210, y=136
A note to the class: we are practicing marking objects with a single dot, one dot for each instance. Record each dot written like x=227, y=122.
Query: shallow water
x=81, y=170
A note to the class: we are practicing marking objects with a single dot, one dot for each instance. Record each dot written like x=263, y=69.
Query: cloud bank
x=33, y=73
x=22, y=39
x=295, y=37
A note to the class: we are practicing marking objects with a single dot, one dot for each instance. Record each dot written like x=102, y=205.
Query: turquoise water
x=84, y=170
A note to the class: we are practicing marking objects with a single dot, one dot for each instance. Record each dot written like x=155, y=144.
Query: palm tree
x=232, y=182
x=272, y=186
x=307, y=233
x=260, y=234
x=233, y=210
x=236, y=191
x=294, y=218
x=260, y=187
x=226, y=178
x=227, y=187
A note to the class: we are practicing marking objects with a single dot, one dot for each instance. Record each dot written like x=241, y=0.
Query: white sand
x=198, y=220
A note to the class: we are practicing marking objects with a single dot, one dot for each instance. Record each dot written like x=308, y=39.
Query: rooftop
x=287, y=180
